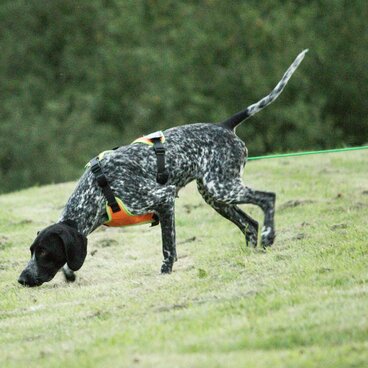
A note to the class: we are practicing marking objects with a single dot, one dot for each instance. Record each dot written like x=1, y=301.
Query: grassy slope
x=302, y=303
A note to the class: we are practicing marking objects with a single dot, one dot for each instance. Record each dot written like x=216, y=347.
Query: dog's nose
x=22, y=280
x=26, y=279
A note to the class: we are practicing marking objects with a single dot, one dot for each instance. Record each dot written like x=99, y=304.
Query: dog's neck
x=85, y=207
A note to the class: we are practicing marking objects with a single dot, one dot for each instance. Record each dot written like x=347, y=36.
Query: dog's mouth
x=29, y=282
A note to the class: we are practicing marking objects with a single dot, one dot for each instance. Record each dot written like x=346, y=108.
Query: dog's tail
x=236, y=119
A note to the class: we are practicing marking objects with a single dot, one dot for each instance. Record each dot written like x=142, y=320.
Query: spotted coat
x=211, y=154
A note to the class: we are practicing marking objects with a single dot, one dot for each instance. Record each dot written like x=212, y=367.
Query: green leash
x=307, y=153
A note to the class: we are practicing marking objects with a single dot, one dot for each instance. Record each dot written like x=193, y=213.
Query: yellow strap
x=100, y=157
x=147, y=139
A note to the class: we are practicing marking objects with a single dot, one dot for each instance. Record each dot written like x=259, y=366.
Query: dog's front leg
x=68, y=274
x=167, y=220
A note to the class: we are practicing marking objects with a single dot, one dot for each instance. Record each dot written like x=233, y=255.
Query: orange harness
x=125, y=218
x=117, y=213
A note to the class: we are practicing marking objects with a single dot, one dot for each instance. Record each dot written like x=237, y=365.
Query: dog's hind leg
x=232, y=192
x=247, y=225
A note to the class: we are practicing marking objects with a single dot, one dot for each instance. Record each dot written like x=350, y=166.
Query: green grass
x=302, y=303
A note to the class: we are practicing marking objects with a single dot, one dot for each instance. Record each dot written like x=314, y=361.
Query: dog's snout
x=22, y=280
x=27, y=279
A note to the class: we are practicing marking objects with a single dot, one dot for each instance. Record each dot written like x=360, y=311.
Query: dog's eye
x=42, y=253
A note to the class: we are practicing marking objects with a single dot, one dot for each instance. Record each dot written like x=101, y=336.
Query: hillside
x=302, y=303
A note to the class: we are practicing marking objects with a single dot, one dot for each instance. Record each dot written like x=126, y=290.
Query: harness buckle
x=101, y=180
x=162, y=173
x=95, y=166
x=162, y=177
x=114, y=207
x=156, y=220
x=97, y=171
x=160, y=150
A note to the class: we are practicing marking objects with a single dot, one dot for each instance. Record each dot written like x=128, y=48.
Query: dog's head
x=53, y=247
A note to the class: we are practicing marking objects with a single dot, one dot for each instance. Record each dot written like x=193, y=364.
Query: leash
x=306, y=153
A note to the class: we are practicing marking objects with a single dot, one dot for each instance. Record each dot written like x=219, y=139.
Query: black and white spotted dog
x=211, y=154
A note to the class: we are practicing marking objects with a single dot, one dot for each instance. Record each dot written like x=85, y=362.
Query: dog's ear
x=75, y=246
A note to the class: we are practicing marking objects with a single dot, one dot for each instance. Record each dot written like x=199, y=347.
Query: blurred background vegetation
x=79, y=77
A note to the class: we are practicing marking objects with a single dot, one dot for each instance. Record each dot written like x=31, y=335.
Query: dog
x=209, y=153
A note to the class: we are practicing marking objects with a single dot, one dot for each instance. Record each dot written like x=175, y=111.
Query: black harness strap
x=104, y=185
x=162, y=174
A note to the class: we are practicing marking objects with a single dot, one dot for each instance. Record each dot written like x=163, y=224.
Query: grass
x=302, y=303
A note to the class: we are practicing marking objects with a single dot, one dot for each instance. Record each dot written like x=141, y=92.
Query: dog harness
x=156, y=140
x=117, y=213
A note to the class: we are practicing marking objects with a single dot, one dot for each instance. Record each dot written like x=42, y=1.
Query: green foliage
x=80, y=77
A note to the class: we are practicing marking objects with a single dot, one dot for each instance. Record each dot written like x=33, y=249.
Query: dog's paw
x=166, y=268
x=251, y=235
x=251, y=239
x=268, y=237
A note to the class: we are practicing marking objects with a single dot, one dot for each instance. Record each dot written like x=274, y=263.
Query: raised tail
x=236, y=119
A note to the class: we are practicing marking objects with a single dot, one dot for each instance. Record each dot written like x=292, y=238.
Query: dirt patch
x=324, y=270
x=189, y=208
x=189, y=240
x=358, y=206
x=338, y=226
x=282, y=257
x=104, y=243
x=295, y=203
x=299, y=236
x=23, y=222
x=98, y=314
x=4, y=242
x=3, y=239
x=202, y=273
x=171, y=307
x=329, y=171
